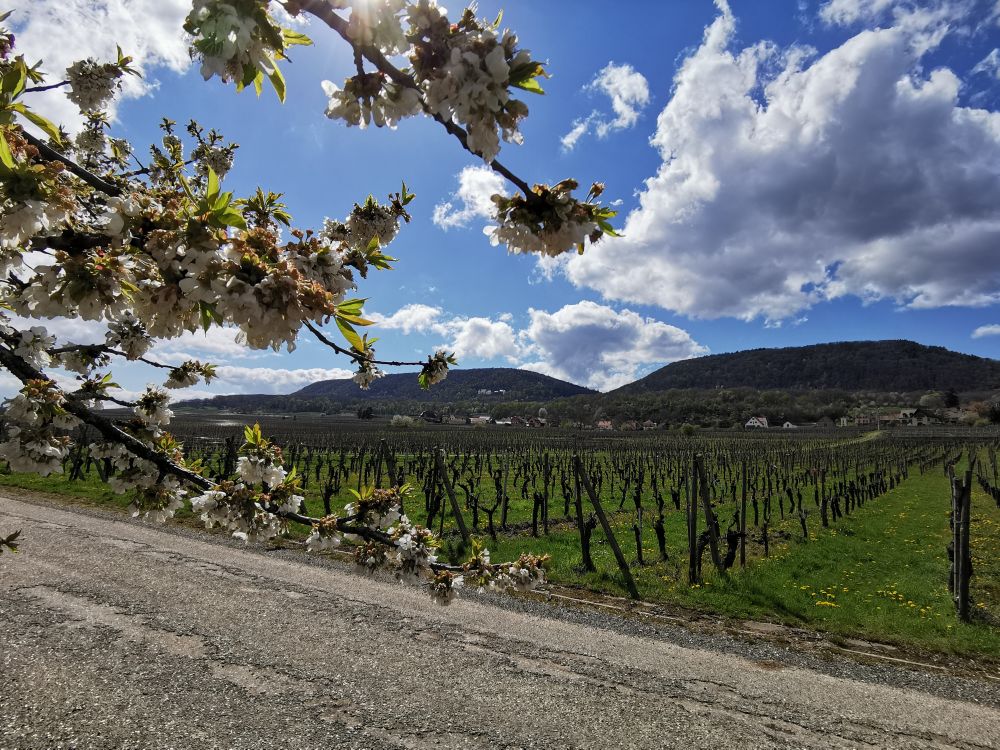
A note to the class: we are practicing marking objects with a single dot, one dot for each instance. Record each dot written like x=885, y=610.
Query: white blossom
x=92, y=84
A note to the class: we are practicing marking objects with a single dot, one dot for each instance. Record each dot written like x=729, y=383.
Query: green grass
x=878, y=574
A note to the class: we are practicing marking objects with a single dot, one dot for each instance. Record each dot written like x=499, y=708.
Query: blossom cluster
x=460, y=72
x=465, y=70
x=377, y=508
x=233, y=39
x=92, y=84
x=36, y=423
x=239, y=509
x=189, y=373
x=435, y=369
x=415, y=548
x=152, y=408
x=549, y=221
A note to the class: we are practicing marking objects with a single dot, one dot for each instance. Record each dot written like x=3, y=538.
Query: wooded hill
x=473, y=389
x=884, y=366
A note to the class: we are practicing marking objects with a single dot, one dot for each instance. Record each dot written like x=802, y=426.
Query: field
x=845, y=532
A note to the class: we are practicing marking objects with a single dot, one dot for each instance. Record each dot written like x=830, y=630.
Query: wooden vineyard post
x=505, y=502
x=961, y=503
x=706, y=502
x=692, y=518
x=455, y=509
x=598, y=508
x=743, y=518
x=588, y=561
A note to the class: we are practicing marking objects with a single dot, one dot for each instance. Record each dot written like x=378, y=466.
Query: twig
x=359, y=358
x=325, y=12
x=50, y=154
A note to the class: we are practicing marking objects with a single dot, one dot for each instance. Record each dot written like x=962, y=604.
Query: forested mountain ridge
x=894, y=365
x=475, y=388
x=503, y=383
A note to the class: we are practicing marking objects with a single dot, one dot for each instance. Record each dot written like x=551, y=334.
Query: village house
x=756, y=423
x=604, y=424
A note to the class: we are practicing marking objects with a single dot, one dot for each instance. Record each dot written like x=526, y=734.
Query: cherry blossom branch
x=359, y=358
x=324, y=11
x=105, y=349
x=49, y=87
x=50, y=154
x=25, y=372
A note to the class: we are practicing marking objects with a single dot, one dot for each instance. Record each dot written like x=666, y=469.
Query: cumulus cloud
x=475, y=186
x=595, y=345
x=482, y=338
x=60, y=32
x=271, y=380
x=790, y=178
x=585, y=343
x=216, y=345
x=628, y=91
x=990, y=330
x=409, y=318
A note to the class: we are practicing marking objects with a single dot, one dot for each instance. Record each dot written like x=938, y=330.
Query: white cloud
x=482, y=338
x=60, y=32
x=990, y=330
x=594, y=345
x=847, y=12
x=475, y=187
x=989, y=65
x=66, y=330
x=270, y=380
x=409, y=318
x=584, y=343
x=789, y=178
x=214, y=345
x=629, y=94
x=579, y=129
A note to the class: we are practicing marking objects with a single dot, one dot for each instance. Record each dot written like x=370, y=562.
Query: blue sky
x=790, y=172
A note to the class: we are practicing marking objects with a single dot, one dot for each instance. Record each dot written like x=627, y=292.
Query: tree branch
x=50, y=154
x=325, y=12
x=354, y=355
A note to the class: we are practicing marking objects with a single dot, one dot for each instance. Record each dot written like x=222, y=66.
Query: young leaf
x=292, y=38
x=350, y=334
x=6, y=157
x=47, y=125
x=278, y=82
x=212, y=191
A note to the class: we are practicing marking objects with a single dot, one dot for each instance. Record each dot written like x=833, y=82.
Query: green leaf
x=233, y=218
x=278, y=82
x=209, y=315
x=607, y=228
x=47, y=125
x=293, y=38
x=351, y=306
x=187, y=189
x=356, y=320
x=258, y=83
x=14, y=80
x=350, y=334
x=531, y=85
x=6, y=157
x=212, y=191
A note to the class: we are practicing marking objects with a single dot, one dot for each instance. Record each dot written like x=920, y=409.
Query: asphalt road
x=115, y=634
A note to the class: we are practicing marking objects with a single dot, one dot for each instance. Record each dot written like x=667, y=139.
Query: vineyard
x=847, y=532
